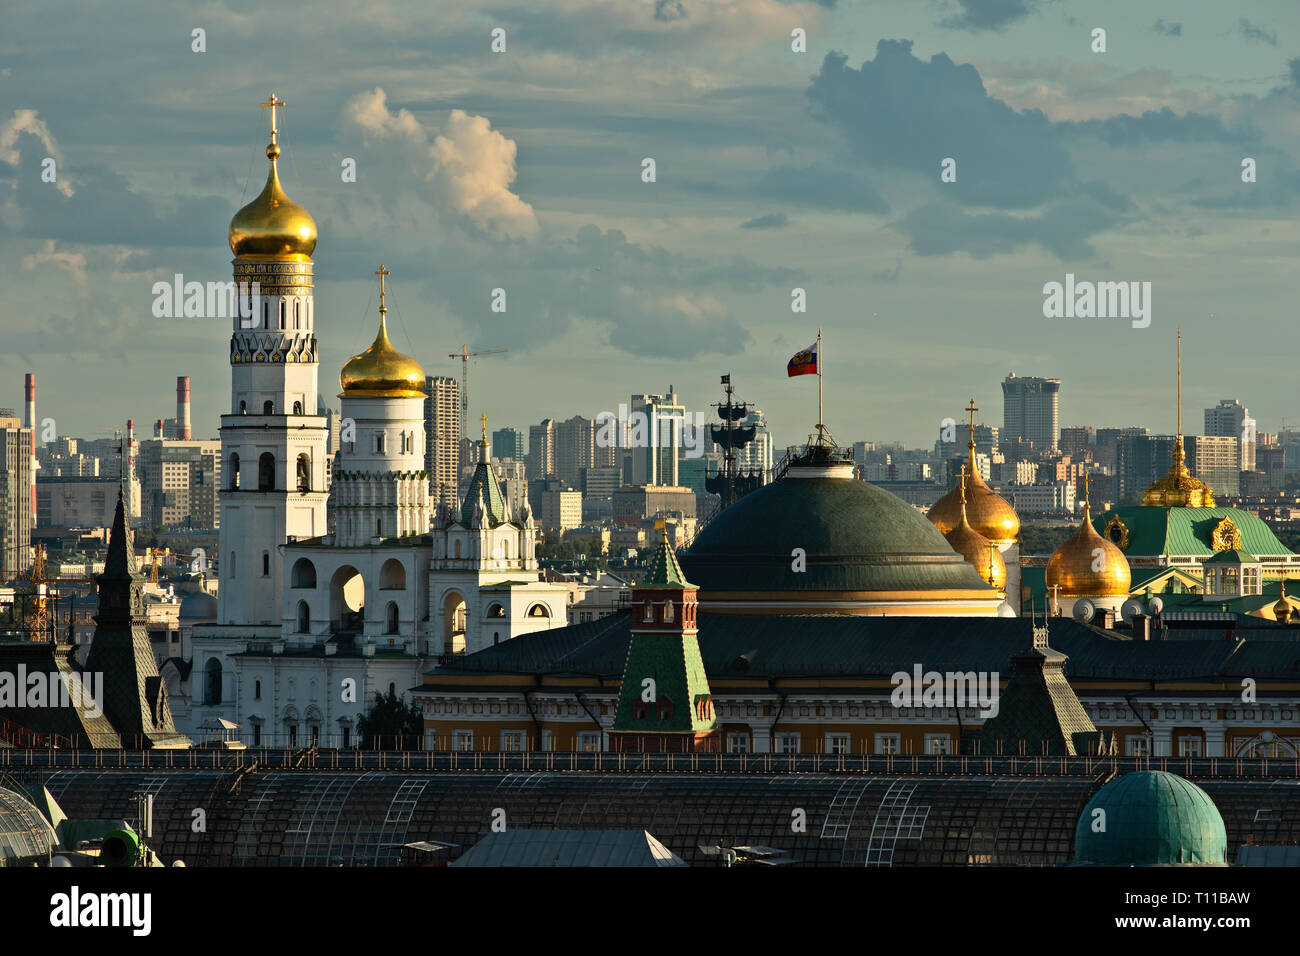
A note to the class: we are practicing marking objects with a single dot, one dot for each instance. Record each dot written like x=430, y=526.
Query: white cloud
x=73, y=262
x=27, y=121
x=468, y=167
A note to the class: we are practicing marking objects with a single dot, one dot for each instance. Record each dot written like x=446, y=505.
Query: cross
x=273, y=103
x=483, y=420
x=1085, y=490
x=382, y=272
x=972, y=409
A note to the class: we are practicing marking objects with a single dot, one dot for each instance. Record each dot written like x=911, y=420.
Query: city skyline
x=1074, y=164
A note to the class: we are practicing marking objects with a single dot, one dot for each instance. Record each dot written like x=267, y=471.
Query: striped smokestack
x=183, y=407
x=29, y=421
x=158, y=428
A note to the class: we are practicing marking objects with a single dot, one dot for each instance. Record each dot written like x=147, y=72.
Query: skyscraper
x=1231, y=418
x=575, y=449
x=1031, y=410
x=16, y=514
x=442, y=438
x=1216, y=460
x=1139, y=461
x=541, y=450
x=656, y=441
x=508, y=443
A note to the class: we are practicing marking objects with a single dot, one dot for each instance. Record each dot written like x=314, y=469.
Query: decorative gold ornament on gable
x=1225, y=536
x=1117, y=532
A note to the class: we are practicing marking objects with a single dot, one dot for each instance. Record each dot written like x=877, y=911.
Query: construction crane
x=465, y=355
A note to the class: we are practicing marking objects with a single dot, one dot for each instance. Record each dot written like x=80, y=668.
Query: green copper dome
x=856, y=537
x=1151, y=818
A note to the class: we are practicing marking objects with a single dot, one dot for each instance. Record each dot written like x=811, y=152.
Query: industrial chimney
x=183, y=407
x=158, y=428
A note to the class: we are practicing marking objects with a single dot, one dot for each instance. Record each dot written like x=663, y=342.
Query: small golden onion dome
x=382, y=372
x=1282, y=609
x=979, y=552
x=988, y=513
x=273, y=225
x=1087, y=565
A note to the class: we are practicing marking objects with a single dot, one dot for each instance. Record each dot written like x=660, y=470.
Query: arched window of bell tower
x=282, y=315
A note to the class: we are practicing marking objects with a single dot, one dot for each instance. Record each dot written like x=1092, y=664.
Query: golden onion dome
x=980, y=553
x=273, y=225
x=1282, y=609
x=988, y=513
x=1087, y=565
x=381, y=371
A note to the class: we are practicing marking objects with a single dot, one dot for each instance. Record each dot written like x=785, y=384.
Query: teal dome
x=856, y=537
x=1152, y=818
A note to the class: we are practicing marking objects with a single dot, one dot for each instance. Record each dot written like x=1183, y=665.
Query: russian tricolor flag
x=803, y=363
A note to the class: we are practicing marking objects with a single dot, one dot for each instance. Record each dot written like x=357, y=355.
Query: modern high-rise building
x=16, y=502
x=442, y=438
x=508, y=443
x=1270, y=458
x=575, y=449
x=541, y=450
x=1139, y=461
x=654, y=438
x=1231, y=418
x=1216, y=460
x=179, y=484
x=1031, y=410
x=1077, y=441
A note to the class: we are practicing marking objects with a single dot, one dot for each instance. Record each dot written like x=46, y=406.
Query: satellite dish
x=1155, y=605
x=1006, y=610
x=1084, y=611
x=1130, y=609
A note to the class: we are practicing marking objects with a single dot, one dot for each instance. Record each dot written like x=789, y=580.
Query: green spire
x=664, y=571
x=485, y=481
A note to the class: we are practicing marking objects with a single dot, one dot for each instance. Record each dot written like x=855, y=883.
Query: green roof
x=484, y=481
x=1150, y=818
x=1189, y=531
x=1233, y=556
x=854, y=536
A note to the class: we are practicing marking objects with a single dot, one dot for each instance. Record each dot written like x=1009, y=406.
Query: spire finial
x=1180, y=384
x=483, y=422
x=972, y=409
x=382, y=272
x=1087, y=503
x=273, y=103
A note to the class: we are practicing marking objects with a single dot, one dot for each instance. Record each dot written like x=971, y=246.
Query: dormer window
x=649, y=611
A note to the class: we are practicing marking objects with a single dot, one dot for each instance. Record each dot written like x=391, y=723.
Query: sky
x=774, y=170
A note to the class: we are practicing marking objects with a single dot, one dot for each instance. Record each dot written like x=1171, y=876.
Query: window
x=392, y=688
x=297, y=408
x=462, y=740
x=589, y=742
x=268, y=408
x=938, y=744
x=282, y=313
x=232, y=564
x=303, y=574
x=266, y=471
x=257, y=735
x=837, y=743
x=266, y=564
x=512, y=740
x=243, y=408
x=548, y=741
x=1137, y=745
x=212, y=672
x=649, y=612
x=295, y=314
x=787, y=743
x=304, y=473
x=293, y=735
x=888, y=744
x=234, y=470
x=380, y=444
x=738, y=743
x=304, y=618
x=668, y=611
x=257, y=690
x=347, y=736
x=1189, y=746
x=390, y=618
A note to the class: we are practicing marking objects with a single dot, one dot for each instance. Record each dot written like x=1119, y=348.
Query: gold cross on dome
x=972, y=409
x=483, y=420
x=382, y=272
x=273, y=102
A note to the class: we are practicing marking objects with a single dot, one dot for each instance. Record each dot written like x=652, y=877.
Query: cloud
x=29, y=123
x=1252, y=32
x=74, y=263
x=817, y=184
x=1167, y=29
x=776, y=220
x=468, y=167
x=1062, y=228
x=979, y=15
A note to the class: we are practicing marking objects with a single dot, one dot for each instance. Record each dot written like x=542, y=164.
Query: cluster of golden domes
x=979, y=552
x=381, y=371
x=273, y=225
x=1088, y=565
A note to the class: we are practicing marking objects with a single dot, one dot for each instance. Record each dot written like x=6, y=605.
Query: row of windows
x=266, y=472
x=300, y=314
x=268, y=407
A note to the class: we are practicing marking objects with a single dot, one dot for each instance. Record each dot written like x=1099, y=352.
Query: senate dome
x=819, y=541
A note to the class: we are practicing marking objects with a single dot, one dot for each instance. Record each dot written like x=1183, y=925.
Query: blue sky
x=775, y=169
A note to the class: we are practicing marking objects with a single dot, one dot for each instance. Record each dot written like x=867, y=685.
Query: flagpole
x=819, y=384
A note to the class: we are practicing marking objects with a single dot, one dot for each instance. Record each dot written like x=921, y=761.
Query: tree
x=391, y=724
